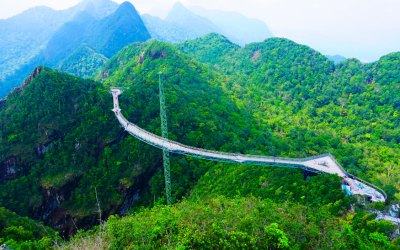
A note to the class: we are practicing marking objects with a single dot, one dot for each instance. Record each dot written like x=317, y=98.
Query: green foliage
x=313, y=106
x=83, y=62
x=276, y=238
x=278, y=99
x=235, y=223
x=279, y=184
x=20, y=233
x=51, y=117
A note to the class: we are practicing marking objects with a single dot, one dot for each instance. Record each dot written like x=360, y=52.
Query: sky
x=364, y=29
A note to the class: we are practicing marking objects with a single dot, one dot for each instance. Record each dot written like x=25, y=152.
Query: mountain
x=23, y=36
x=246, y=30
x=278, y=77
x=64, y=141
x=63, y=154
x=336, y=58
x=106, y=36
x=83, y=62
x=165, y=31
x=187, y=19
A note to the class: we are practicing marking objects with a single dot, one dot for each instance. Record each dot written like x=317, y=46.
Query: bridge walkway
x=324, y=163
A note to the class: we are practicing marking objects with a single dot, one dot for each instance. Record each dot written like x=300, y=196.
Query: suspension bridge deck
x=325, y=163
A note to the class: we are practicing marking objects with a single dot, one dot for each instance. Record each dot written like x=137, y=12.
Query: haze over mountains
x=105, y=37
x=42, y=36
x=336, y=58
x=233, y=25
x=24, y=35
x=245, y=30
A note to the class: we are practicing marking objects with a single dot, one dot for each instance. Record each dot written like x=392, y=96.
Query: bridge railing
x=361, y=180
x=219, y=152
x=247, y=155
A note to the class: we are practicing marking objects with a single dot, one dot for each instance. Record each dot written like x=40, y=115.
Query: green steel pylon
x=164, y=134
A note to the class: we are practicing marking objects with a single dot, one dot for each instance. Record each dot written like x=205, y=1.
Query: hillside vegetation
x=238, y=223
x=23, y=233
x=313, y=106
x=59, y=136
x=83, y=62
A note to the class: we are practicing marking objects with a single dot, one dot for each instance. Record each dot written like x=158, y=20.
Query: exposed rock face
x=30, y=78
x=141, y=58
x=27, y=81
x=7, y=169
x=51, y=212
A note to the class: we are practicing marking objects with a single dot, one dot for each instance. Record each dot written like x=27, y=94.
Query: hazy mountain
x=336, y=58
x=198, y=24
x=166, y=31
x=24, y=35
x=107, y=36
x=246, y=30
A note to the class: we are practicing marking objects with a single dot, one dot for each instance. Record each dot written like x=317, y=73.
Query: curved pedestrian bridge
x=325, y=163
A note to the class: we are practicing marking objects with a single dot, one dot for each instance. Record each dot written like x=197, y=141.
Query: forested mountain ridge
x=300, y=93
x=24, y=35
x=107, y=36
x=60, y=141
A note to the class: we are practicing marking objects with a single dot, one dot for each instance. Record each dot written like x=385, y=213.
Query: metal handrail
x=366, y=182
x=223, y=153
x=370, y=184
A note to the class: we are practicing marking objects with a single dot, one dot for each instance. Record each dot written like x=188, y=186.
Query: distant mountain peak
x=186, y=18
x=178, y=4
x=127, y=6
x=336, y=58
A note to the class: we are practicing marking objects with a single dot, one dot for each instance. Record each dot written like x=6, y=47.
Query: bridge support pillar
x=306, y=174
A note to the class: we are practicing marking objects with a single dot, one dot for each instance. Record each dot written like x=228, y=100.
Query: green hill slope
x=20, y=233
x=61, y=147
x=60, y=141
x=238, y=223
x=348, y=109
